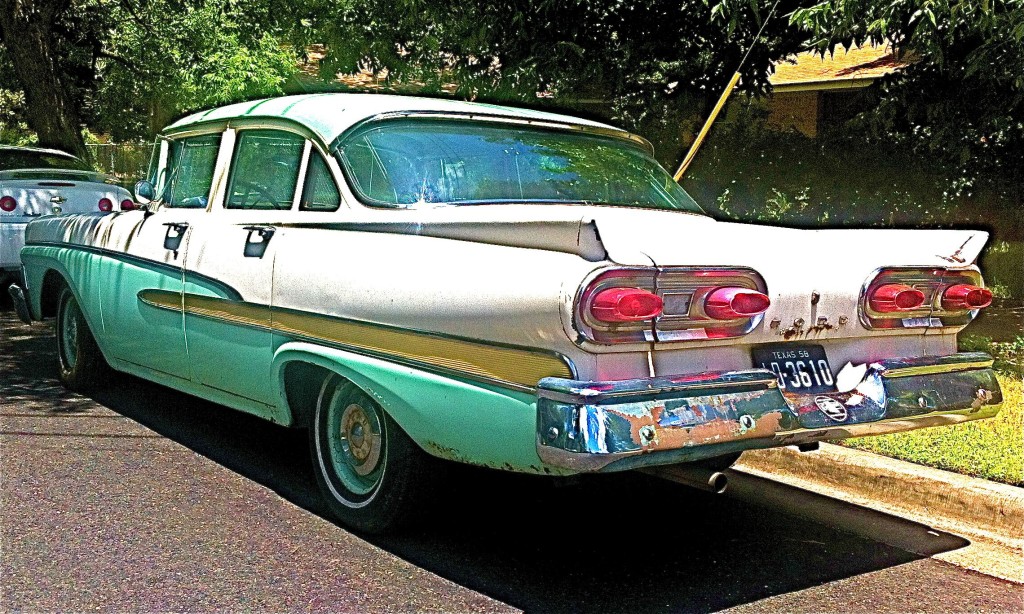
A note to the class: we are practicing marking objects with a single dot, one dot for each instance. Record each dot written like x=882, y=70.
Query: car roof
x=55, y=152
x=329, y=115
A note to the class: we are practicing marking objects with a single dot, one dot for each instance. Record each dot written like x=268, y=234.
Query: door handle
x=175, y=233
x=256, y=249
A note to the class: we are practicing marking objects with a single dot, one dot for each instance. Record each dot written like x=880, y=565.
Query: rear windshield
x=15, y=159
x=403, y=163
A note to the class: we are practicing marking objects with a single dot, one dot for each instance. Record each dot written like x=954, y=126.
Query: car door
x=143, y=315
x=228, y=328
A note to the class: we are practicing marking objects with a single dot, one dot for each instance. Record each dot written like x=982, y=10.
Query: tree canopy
x=127, y=67
x=962, y=99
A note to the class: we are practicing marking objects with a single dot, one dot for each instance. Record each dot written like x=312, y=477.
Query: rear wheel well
x=302, y=383
x=53, y=282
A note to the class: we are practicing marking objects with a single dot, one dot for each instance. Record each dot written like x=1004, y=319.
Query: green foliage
x=169, y=59
x=991, y=449
x=132, y=66
x=654, y=62
x=962, y=100
x=1009, y=355
x=13, y=129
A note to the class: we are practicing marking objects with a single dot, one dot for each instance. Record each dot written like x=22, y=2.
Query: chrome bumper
x=618, y=425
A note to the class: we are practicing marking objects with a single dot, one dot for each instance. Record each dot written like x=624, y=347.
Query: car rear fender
x=450, y=418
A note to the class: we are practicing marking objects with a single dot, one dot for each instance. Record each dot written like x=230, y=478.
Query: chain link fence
x=126, y=162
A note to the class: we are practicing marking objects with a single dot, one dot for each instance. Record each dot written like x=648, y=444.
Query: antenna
x=721, y=101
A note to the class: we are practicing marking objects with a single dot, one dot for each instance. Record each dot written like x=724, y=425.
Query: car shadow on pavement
x=621, y=542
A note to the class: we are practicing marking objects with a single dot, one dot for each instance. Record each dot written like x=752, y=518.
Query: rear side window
x=190, y=171
x=319, y=192
x=265, y=170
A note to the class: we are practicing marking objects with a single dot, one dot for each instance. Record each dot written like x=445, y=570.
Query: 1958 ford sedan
x=410, y=277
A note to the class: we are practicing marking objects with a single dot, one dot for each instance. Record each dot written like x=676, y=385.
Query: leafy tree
x=129, y=66
x=654, y=62
x=961, y=102
x=46, y=42
x=176, y=58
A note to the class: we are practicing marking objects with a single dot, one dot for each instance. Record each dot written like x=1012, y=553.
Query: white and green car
x=409, y=277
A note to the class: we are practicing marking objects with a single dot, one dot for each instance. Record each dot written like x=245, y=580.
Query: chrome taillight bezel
x=593, y=329
x=683, y=289
x=933, y=282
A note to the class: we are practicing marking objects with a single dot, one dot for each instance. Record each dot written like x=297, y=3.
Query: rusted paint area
x=652, y=424
x=700, y=420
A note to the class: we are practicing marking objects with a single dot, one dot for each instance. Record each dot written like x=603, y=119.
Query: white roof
x=328, y=115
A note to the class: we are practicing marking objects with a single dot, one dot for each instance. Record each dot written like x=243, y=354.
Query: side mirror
x=144, y=192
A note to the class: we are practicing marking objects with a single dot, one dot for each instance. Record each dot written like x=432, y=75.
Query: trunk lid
x=814, y=277
x=51, y=192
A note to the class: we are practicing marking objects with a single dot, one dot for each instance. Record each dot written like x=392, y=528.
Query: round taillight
x=127, y=205
x=734, y=303
x=105, y=204
x=626, y=305
x=895, y=297
x=8, y=204
x=966, y=296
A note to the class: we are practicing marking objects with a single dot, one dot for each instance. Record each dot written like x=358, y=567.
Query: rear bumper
x=609, y=426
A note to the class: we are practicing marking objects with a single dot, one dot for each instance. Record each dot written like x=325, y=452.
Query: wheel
x=80, y=363
x=372, y=475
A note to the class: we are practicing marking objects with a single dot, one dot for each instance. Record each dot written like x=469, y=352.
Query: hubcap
x=359, y=439
x=69, y=334
x=355, y=441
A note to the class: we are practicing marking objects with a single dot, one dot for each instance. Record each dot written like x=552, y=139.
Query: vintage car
x=36, y=182
x=412, y=278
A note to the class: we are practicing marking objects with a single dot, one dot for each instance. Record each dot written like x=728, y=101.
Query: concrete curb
x=993, y=510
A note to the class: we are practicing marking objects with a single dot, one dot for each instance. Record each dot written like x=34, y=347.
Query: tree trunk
x=26, y=29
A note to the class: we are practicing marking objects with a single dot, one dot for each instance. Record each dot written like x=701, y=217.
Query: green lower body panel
x=460, y=420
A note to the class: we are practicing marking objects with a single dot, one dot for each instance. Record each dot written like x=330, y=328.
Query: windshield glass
x=413, y=162
x=20, y=159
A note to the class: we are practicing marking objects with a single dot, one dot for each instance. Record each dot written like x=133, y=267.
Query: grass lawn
x=992, y=449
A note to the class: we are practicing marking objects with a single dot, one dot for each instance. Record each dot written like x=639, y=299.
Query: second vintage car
x=412, y=278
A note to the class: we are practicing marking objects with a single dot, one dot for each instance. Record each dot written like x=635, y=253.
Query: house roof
x=858, y=66
x=329, y=115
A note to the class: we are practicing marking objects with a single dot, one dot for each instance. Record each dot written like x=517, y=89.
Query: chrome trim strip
x=495, y=363
x=933, y=365
x=145, y=262
x=572, y=391
x=493, y=118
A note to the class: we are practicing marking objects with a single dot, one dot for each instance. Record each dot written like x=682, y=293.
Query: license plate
x=800, y=368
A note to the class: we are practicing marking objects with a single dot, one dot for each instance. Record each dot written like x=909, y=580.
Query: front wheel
x=80, y=363
x=370, y=472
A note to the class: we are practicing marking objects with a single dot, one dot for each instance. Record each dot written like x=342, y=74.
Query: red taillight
x=733, y=303
x=105, y=204
x=625, y=305
x=8, y=204
x=966, y=296
x=127, y=205
x=895, y=297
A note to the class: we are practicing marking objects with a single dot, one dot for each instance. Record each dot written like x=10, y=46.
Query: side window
x=189, y=171
x=367, y=171
x=319, y=192
x=265, y=170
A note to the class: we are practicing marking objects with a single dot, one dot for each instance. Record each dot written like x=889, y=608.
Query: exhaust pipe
x=693, y=475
